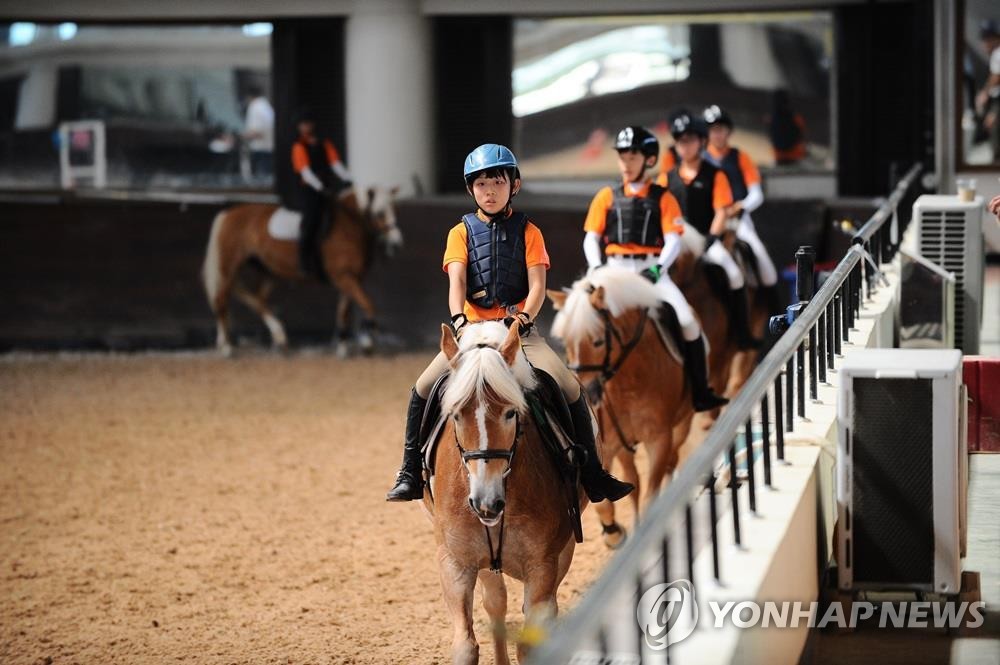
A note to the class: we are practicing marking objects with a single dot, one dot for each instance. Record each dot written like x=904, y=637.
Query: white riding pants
x=720, y=256
x=666, y=289
x=765, y=266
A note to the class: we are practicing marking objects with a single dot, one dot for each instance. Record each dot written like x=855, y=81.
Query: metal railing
x=816, y=328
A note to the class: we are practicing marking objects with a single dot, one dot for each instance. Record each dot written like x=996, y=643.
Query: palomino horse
x=496, y=499
x=240, y=236
x=606, y=325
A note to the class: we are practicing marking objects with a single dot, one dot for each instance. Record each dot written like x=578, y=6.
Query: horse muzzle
x=489, y=513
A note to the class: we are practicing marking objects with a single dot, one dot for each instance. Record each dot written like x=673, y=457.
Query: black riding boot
x=598, y=483
x=740, y=310
x=702, y=396
x=409, y=481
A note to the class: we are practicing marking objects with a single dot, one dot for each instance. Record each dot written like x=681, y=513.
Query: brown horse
x=240, y=235
x=496, y=503
x=605, y=324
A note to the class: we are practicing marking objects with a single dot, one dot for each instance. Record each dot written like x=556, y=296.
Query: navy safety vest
x=730, y=165
x=497, y=271
x=695, y=198
x=635, y=219
x=318, y=162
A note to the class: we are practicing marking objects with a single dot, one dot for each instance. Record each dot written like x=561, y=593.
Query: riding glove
x=652, y=273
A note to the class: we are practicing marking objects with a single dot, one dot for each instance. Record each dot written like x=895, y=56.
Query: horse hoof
x=226, y=350
x=343, y=350
x=366, y=343
x=614, y=536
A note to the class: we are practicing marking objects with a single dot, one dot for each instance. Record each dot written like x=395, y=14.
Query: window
x=173, y=101
x=979, y=84
x=576, y=81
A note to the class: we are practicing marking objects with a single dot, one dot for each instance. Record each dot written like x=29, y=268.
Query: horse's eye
x=598, y=342
x=455, y=416
x=510, y=414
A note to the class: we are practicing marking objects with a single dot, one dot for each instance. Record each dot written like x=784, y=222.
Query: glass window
x=180, y=106
x=576, y=81
x=979, y=41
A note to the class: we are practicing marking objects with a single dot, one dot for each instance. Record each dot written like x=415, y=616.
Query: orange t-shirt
x=751, y=176
x=722, y=193
x=597, y=218
x=300, y=158
x=457, y=251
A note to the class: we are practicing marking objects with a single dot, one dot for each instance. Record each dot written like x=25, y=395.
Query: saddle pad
x=668, y=338
x=284, y=224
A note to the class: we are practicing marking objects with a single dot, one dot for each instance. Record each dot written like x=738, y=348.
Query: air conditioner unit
x=902, y=470
x=950, y=235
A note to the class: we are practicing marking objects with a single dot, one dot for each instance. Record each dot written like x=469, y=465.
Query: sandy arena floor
x=161, y=509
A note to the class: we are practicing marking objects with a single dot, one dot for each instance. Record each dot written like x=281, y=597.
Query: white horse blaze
x=484, y=441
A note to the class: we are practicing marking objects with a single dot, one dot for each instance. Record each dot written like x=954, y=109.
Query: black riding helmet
x=639, y=139
x=685, y=123
x=716, y=115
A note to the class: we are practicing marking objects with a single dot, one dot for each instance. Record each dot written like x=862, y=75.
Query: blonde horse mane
x=623, y=290
x=482, y=372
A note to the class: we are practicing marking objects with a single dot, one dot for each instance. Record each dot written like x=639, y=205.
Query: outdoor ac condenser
x=902, y=470
x=950, y=234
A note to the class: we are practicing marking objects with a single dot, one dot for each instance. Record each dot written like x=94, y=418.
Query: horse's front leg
x=540, y=584
x=458, y=584
x=495, y=604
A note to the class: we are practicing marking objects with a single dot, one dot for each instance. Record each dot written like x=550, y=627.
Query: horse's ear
x=394, y=191
x=558, y=298
x=371, y=196
x=597, y=298
x=512, y=344
x=449, y=345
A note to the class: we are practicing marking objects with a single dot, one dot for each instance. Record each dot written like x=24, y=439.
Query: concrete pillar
x=389, y=94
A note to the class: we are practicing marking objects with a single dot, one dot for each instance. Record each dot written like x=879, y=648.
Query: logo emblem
x=667, y=613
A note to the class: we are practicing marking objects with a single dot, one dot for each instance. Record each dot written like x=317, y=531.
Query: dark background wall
x=885, y=91
x=473, y=60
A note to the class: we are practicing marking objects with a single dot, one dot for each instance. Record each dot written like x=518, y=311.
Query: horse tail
x=211, y=270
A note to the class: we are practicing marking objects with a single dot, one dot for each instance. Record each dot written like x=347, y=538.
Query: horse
x=240, y=236
x=495, y=503
x=611, y=340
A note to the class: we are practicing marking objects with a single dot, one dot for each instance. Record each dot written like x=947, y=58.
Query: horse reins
x=496, y=556
x=609, y=369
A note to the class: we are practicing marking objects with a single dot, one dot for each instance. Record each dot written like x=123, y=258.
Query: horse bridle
x=607, y=368
x=496, y=556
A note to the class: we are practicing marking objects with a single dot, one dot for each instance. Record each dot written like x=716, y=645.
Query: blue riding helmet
x=489, y=156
